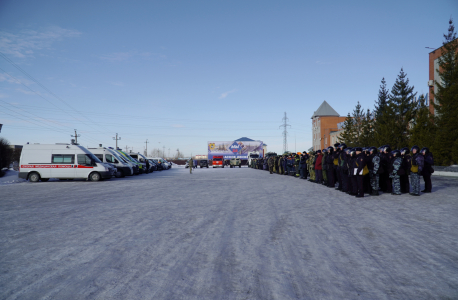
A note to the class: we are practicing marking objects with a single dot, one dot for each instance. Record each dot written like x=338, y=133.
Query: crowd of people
x=358, y=170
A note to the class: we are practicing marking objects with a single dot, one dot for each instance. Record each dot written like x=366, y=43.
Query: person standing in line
x=352, y=173
x=428, y=169
x=336, y=167
x=318, y=167
x=324, y=166
x=342, y=167
x=406, y=158
x=374, y=170
x=386, y=162
x=330, y=167
x=396, y=171
x=270, y=163
x=416, y=168
x=360, y=171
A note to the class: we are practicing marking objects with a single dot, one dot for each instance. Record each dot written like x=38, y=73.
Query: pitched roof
x=325, y=110
x=244, y=139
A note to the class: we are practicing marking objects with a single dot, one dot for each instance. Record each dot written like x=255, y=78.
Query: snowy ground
x=224, y=234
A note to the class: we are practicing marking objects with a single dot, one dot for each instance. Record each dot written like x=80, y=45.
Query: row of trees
x=401, y=121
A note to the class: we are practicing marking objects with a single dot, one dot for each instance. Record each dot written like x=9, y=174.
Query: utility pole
x=163, y=151
x=285, y=132
x=169, y=152
x=117, y=139
x=146, y=151
x=76, y=136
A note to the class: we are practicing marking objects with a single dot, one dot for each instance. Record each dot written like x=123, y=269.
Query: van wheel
x=44, y=179
x=94, y=176
x=34, y=177
x=240, y=166
x=120, y=174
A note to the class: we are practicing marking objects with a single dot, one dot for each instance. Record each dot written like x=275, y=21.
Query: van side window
x=110, y=158
x=99, y=156
x=63, y=159
x=84, y=159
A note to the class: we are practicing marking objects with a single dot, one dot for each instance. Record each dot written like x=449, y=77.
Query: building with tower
x=324, y=122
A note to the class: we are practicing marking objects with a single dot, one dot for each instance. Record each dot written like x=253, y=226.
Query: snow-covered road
x=224, y=234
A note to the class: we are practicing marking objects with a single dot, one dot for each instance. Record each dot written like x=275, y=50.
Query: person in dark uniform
x=360, y=170
x=303, y=165
x=342, y=166
x=386, y=161
x=427, y=169
x=351, y=174
x=366, y=179
x=330, y=168
x=406, y=158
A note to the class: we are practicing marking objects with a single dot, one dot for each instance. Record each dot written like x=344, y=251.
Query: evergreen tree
x=358, y=116
x=348, y=134
x=380, y=103
x=367, y=130
x=401, y=101
x=446, y=100
x=423, y=129
x=385, y=129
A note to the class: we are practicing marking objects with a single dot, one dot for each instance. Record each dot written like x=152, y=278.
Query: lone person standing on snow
x=190, y=164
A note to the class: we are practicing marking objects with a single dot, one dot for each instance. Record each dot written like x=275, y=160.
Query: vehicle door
x=85, y=165
x=62, y=164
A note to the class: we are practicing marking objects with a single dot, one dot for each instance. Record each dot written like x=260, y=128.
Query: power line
x=285, y=132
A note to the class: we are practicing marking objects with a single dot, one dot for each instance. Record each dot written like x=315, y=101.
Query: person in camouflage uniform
x=270, y=162
x=374, y=170
x=417, y=163
x=297, y=161
x=395, y=168
x=190, y=165
x=311, y=167
x=324, y=167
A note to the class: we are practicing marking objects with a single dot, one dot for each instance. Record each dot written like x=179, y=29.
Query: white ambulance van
x=106, y=156
x=62, y=161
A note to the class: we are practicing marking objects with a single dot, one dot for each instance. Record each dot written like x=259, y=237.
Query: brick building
x=324, y=122
x=433, y=75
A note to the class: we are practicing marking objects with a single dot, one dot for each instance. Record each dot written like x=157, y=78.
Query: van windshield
x=217, y=159
x=254, y=155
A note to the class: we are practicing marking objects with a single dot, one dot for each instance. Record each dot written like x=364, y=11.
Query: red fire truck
x=218, y=161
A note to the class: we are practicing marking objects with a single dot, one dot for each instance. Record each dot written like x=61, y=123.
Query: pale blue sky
x=181, y=73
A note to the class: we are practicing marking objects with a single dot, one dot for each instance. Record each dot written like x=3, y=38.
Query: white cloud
x=225, y=94
x=27, y=41
x=177, y=126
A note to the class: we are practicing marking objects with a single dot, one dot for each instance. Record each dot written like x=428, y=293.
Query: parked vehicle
x=141, y=158
x=62, y=161
x=141, y=166
x=252, y=155
x=236, y=162
x=134, y=166
x=165, y=164
x=218, y=161
x=106, y=156
x=203, y=163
